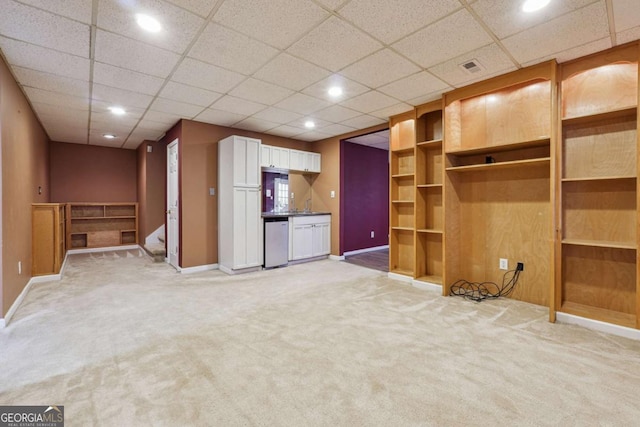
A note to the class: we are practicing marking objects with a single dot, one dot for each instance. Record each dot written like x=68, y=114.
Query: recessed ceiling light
x=118, y=111
x=109, y=135
x=309, y=124
x=533, y=5
x=335, y=91
x=148, y=23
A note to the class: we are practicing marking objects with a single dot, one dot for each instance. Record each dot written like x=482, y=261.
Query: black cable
x=479, y=291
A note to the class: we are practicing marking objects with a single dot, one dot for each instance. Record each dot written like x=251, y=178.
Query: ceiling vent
x=472, y=66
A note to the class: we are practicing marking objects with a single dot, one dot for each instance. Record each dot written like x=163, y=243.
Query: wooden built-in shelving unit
x=597, y=185
x=96, y=225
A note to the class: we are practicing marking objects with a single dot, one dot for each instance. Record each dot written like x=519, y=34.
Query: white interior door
x=173, y=229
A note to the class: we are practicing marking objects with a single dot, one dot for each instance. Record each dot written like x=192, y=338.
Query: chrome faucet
x=307, y=206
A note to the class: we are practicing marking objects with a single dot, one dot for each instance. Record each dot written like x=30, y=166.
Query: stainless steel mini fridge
x=276, y=241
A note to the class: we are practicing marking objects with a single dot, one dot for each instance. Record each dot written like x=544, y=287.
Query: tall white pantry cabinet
x=240, y=238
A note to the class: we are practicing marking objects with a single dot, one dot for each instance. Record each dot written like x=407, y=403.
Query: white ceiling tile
x=626, y=14
x=229, y=49
x=337, y=129
x=391, y=20
x=109, y=75
x=148, y=126
x=575, y=52
x=628, y=35
x=200, y=7
x=160, y=117
x=237, y=106
x=568, y=31
x=387, y=112
x=505, y=17
x=74, y=119
x=36, y=26
x=364, y=121
x=219, y=117
x=134, y=141
x=68, y=135
x=332, y=4
x=110, y=123
x=55, y=111
x=103, y=108
x=80, y=10
x=120, y=130
x=349, y=88
x=452, y=36
x=382, y=67
x=140, y=134
x=277, y=115
x=207, y=76
x=370, y=101
x=276, y=22
x=302, y=103
x=492, y=59
x=423, y=99
x=120, y=97
x=175, y=107
x=412, y=86
x=134, y=55
x=99, y=140
x=256, y=125
x=179, y=26
x=334, y=44
x=55, y=98
x=285, y=130
x=39, y=58
x=313, y=135
x=51, y=82
x=291, y=72
x=189, y=94
x=259, y=91
x=336, y=113
x=300, y=123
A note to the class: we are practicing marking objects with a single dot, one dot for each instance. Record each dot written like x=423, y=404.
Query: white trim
x=336, y=257
x=197, y=268
x=240, y=270
x=596, y=325
x=2, y=324
x=400, y=277
x=361, y=251
x=14, y=307
x=426, y=286
x=105, y=249
x=155, y=236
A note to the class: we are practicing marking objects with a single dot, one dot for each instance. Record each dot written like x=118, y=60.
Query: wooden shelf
x=599, y=244
x=500, y=165
x=428, y=230
x=591, y=118
x=402, y=228
x=599, y=178
x=403, y=150
x=430, y=279
x=432, y=143
x=402, y=201
x=403, y=176
x=402, y=271
x=539, y=142
x=95, y=225
x=429, y=185
x=601, y=314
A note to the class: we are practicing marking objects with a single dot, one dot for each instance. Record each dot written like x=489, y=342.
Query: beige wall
x=329, y=180
x=25, y=167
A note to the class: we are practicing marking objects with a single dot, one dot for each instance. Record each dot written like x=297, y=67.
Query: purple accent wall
x=268, y=183
x=365, y=197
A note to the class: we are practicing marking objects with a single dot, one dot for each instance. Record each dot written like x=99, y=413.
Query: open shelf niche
x=498, y=200
x=429, y=213
x=402, y=198
x=96, y=225
x=598, y=180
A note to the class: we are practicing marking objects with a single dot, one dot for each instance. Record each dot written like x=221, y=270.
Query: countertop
x=288, y=214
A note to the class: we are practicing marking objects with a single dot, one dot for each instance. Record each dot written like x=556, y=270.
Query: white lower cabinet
x=309, y=236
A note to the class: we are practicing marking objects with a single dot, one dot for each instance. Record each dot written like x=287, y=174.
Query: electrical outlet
x=520, y=266
x=372, y=234
x=332, y=194
x=504, y=264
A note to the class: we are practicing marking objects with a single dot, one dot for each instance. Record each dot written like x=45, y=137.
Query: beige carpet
x=121, y=341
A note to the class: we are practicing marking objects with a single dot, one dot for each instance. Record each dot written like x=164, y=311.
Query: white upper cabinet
x=246, y=161
x=274, y=157
x=295, y=160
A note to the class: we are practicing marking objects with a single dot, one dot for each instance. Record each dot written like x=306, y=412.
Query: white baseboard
x=155, y=236
x=105, y=249
x=400, y=277
x=596, y=325
x=2, y=324
x=336, y=257
x=18, y=301
x=362, y=251
x=198, y=268
x=426, y=286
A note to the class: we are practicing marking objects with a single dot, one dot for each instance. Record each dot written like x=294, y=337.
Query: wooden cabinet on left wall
x=48, y=235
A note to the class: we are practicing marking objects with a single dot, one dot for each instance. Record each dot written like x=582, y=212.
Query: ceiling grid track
x=92, y=55
x=612, y=23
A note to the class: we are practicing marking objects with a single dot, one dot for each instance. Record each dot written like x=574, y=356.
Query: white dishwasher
x=276, y=241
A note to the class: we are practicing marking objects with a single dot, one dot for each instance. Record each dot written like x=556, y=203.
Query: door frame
x=173, y=183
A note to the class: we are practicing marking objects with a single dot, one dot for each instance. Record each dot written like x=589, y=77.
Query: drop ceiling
x=266, y=65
